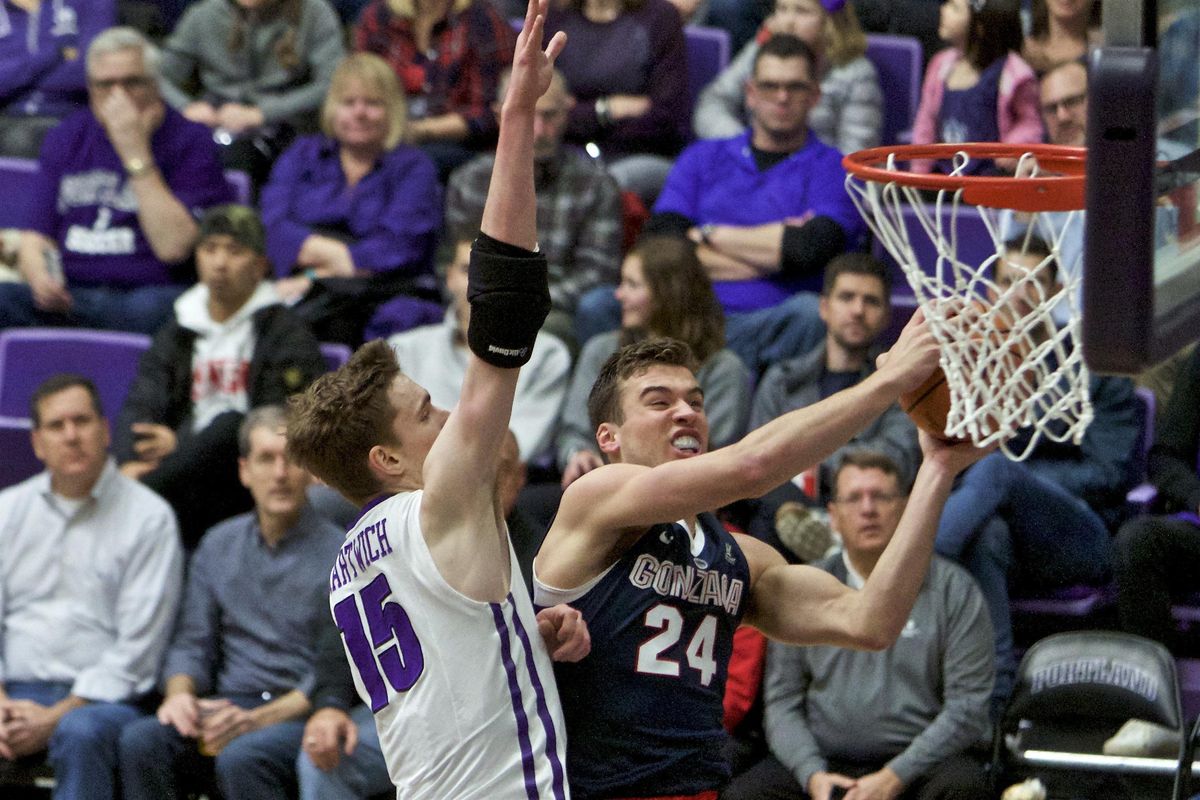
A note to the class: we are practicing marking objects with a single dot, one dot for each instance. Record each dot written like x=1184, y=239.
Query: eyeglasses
x=130, y=84
x=790, y=87
x=1067, y=104
x=876, y=498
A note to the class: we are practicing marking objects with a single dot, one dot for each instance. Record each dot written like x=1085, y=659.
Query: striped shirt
x=463, y=691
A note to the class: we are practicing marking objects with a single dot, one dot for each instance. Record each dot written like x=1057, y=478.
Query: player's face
x=633, y=293
x=804, y=19
x=276, y=483
x=416, y=424
x=855, y=310
x=230, y=269
x=71, y=439
x=779, y=97
x=663, y=418
x=360, y=118
x=1063, y=98
x=866, y=509
x=954, y=22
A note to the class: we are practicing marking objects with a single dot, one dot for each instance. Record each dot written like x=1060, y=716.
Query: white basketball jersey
x=463, y=691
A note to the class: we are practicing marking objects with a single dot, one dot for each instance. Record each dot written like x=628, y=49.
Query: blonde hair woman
x=352, y=213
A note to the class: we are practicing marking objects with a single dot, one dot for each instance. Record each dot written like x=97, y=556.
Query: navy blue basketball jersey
x=643, y=710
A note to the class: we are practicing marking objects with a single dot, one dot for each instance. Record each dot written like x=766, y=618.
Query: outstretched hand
x=952, y=455
x=913, y=356
x=532, y=67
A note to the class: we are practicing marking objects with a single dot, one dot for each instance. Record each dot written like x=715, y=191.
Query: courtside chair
x=1075, y=690
x=30, y=355
x=707, y=56
x=899, y=63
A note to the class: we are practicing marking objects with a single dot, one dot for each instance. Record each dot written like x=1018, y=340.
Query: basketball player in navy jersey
x=438, y=627
x=662, y=585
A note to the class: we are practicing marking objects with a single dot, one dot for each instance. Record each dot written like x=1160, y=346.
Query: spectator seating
x=901, y=66
x=16, y=175
x=1073, y=691
x=335, y=354
x=707, y=55
x=17, y=461
x=30, y=355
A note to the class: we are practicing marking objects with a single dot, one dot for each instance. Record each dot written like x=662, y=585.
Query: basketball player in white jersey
x=440, y=632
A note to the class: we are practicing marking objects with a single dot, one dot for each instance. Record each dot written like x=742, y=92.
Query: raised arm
x=509, y=299
x=802, y=605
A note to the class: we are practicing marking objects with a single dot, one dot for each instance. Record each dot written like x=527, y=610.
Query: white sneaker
x=1139, y=738
x=1032, y=789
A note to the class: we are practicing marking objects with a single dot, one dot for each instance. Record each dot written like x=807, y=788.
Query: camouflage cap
x=242, y=223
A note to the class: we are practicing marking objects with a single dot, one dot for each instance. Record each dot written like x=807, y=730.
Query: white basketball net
x=1008, y=362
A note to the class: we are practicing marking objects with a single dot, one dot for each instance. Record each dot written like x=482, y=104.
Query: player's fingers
x=557, y=43
x=351, y=739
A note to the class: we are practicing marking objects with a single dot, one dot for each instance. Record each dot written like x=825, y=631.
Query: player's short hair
x=869, y=459
x=332, y=425
x=857, y=264
x=273, y=417
x=1033, y=245
x=784, y=45
x=604, y=401
x=60, y=383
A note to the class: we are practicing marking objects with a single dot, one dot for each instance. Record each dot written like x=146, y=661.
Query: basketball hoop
x=1008, y=362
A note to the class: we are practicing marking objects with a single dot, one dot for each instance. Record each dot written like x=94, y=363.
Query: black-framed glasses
x=791, y=87
x=1069, y=103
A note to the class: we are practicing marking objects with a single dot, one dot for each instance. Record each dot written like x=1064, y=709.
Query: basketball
x=929, y=404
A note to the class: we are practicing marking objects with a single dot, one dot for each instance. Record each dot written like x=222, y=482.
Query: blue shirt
x=37, y=74
x=717, y=181
x=252, y=613
x=389, y=219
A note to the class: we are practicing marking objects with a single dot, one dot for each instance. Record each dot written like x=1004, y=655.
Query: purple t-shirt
x=83, y=200
x=35, y=78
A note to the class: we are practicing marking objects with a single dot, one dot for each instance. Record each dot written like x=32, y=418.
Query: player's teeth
x=687, y=443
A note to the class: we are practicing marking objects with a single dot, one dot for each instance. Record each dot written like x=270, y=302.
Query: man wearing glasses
x=767, y=208
x=890, y=724
x=111, y=217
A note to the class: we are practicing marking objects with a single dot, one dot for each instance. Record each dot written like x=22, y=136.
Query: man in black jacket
x=230, y=347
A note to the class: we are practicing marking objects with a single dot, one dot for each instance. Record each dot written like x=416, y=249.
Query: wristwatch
x=706, y=232
x=137, y=167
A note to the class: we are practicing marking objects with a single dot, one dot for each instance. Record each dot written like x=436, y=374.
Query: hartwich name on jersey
x=703, y=586
x=368, y=546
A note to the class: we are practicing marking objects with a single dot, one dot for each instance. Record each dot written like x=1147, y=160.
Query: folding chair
x=1073, y=691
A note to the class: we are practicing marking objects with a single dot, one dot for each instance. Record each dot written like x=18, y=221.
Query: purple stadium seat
x=898, y=61
x=974, y=245
x=1189, y=685
x=240, y=183
x=707, y=55
x=17, y=461
x=30, y=355
x=16, y=176
x=1073, y=601
x=335, y=354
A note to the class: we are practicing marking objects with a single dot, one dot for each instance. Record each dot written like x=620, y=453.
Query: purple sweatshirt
x=35, y=75
x=390, y=219
x=82, y=199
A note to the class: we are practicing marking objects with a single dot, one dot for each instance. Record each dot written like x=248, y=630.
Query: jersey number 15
x=401, y=662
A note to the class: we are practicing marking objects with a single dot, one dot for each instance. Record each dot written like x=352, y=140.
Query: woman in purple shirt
x=352, y=214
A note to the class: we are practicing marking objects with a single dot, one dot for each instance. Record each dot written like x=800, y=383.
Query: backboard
x=1141, y=283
